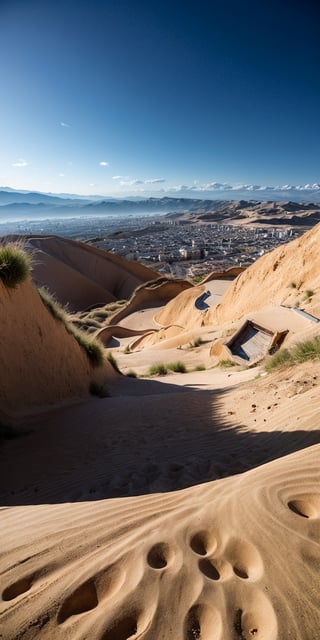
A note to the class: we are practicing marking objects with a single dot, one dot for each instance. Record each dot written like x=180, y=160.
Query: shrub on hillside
x=113, y=362
x=178, y=367
x=158, y=370
x=307, y=350
x=14, y=265
x=55, y=308
x=92, y=348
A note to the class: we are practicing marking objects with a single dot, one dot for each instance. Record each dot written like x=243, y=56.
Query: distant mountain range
x=35, y=205
x=26, y=204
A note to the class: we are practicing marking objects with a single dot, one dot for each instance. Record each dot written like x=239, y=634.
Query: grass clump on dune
x=158, y=370
x=280, y=359
x=308, y=350
x=178, y=367
x=301, y=352
x=162, y=369
x=113, y=362
x=226, y=363
x=55, y=308
x=92, y=348
x=14, y=265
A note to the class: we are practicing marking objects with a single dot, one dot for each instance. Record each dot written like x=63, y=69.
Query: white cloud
x=223, y=187
x=104, y=164
x=20, y=163
x=64, y=124
x=130, y=183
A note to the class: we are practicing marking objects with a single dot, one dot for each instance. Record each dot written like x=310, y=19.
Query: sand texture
x=283, y=276
x=237, y=558
x=176, y=507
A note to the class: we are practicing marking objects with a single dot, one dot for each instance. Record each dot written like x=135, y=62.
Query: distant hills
x=12, y=202
x=35, y=205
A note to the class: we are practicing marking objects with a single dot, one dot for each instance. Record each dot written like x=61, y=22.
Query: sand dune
x=181, y=508
x=288, y=275
x=81, y=275
x=152, y=294
x=210, y=562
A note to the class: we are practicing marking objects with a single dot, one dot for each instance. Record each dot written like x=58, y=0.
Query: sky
x=200, y=98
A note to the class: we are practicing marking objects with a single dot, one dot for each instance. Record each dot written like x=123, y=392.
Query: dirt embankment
x=41, y=362
x=288, y=275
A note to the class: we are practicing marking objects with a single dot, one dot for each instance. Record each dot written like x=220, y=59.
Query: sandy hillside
x=237, y=558
x=182, y=507
x=41, y=362
x=288, y=275
x=81, y=275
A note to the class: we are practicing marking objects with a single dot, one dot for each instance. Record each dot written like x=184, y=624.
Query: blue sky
x=125, y=97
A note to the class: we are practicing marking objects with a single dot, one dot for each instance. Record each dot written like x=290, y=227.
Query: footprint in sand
x=17, y=588
x=237, y=562
x=84, y=598
x=306, y=506
x=203, y=623
x=203, y=542
x=88, y=594
x=160, y=555
x=251, y=615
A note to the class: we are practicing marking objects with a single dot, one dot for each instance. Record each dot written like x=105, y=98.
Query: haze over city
x=207, y=99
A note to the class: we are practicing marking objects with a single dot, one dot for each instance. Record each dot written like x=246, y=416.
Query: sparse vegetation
x=162, y=369
x=98, y=390
x=307, y=350
x=308, y=294
x=92, y=348
x=14, y=265
x=226, y=363
x=113, y=362
x=197, y=279
x=158, y=370
x=293, y=285
x=200, y=367
x=97, y=318
x=55, y=308
x=280, y=359
x=178, y=367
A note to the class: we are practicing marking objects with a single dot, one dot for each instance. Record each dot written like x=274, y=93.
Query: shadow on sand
x=155, y=437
